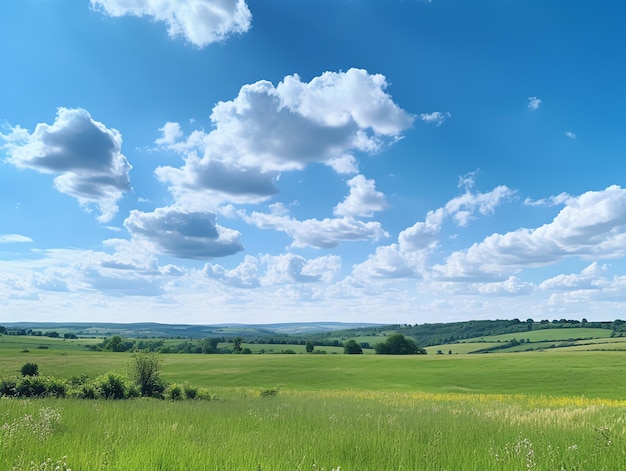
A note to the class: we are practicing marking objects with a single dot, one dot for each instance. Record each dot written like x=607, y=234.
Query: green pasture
x=21, y=342
x=459, y=348
x=546, y=335
x=551, y=410
x=552, y=373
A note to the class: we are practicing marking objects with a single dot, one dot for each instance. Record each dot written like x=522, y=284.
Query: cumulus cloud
x=407, y=258
x=588, y=278
x=201, y=22
x=533, y=102
x=436, y=117
x=322, y=234
x=363, y=199
x=84, y=153
x=182, y=233
x=387, y=262
x=591, y=225
x=292, y=268
x=171, y=134
x=273, y=270
x=245, y=275
x=14, y=239
x=270, y=129
x=570, y=134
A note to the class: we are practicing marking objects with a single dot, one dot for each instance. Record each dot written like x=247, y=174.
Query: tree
x=351, y=347
x=116, y=344
x=237, y=344
x=144, y=368
x=30, y=369
x=309, y=346
x=397, y=344
x=209, y=345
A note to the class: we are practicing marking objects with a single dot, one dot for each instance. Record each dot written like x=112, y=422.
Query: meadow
x=547, y=410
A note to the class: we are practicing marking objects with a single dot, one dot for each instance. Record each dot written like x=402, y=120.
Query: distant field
x=590, y=374
x=547, y=334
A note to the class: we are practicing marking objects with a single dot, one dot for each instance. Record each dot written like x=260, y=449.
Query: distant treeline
x=424, y=335
x=427, y=335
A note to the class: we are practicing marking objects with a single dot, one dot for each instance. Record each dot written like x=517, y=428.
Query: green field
x=548, y=410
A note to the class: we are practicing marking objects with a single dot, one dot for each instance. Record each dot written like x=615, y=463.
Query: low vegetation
x=559, y=409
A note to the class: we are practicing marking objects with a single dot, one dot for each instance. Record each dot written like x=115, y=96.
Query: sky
x=265, y=161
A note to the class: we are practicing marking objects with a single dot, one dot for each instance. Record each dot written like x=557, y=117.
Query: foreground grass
x=541, y=411
x=351, y=429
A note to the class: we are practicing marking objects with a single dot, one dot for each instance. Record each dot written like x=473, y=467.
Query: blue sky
x=410, y=161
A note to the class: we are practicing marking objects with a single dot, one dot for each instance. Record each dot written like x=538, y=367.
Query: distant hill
x=476, y=336
x=151, y=329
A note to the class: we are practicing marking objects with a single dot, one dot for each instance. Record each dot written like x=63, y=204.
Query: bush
x=189, y=391
x=144, y=371
x=31, y=386
x=87, y=391
x=8, y=387
x=30, y=369
x=174, y=392
x=269, y=392
x=111, y=386
x=56, y=387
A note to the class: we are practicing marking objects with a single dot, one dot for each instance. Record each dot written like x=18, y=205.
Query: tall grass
x=288, y=432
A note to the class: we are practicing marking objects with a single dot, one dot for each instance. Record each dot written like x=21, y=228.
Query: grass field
x=552, y=410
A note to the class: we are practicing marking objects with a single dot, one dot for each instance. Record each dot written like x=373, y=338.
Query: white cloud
x=14, y=239
x=171, y=134
x=436, y=117
x=587, y=279
x=245, y=275
x=363, y=199
x=292, y=268
x=407, y=258
x=266, y=130
x=182, y=233
x=422, y=235
x=387, y=262
x=512, y=286
x=201, y=22
x=462, y=207
x=275, y=270
x=325, y=233
x=468, y=180
x=561, y=198
x=84, y=153
x=533, y=102
x=570, y=134
x=591, y=225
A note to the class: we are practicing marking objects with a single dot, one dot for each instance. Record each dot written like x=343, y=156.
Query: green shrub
x=132, y=390
x=55, y=387
x=144, y=368
x=269, y=392
x=174, y=392
x=30, y=369
x=111, y=386
x=31, y=386
x=190, y=391
x=87, y=391
x=8, y=387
